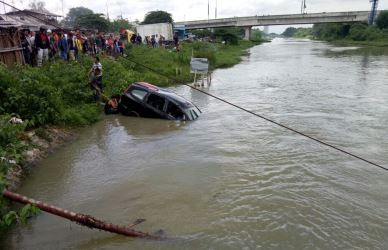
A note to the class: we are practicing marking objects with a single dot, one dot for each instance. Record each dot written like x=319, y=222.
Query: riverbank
x=347, y=34
x=39, y=143
x=58, y=95
x=358, y=43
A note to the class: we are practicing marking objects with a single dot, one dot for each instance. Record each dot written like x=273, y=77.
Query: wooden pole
x=85, y=220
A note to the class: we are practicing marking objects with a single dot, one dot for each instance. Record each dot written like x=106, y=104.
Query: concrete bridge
x=248, y=22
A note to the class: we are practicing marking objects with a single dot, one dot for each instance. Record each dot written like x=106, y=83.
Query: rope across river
x=263, y=117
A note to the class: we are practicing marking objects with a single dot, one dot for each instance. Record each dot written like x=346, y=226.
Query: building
x=32, y=19
x=11, y=51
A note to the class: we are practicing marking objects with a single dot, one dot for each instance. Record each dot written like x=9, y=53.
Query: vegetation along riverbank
x=57, y=96
x=347, y=33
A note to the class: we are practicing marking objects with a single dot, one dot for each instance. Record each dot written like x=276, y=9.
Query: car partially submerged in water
x=143, y=99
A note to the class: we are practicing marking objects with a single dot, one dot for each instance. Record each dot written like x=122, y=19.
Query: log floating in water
x=85, y=220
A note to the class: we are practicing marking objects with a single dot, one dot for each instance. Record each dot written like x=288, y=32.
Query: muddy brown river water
x=230, y=180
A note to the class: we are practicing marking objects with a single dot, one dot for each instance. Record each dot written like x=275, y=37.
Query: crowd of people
x=67, y=45
x=46, y=45
x=154, y=41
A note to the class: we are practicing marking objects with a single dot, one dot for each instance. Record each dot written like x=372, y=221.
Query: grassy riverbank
x=358, y=34
x=58, y=94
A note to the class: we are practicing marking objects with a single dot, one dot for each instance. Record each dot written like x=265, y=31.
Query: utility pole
x=303, y=7
x=208, y=10
x=373, y=12
x=63, y=10
x=216, y=9
x=107, y=10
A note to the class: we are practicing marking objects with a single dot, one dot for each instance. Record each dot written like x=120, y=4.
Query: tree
x=120, y=23
x=157, y=16
x=257, y=35
x=382, y=20
x=358, y=32
x=202, y=33
x=37, y=5
x=74, y=13
x=290, y=32
x=229, y=35
x=93, y=22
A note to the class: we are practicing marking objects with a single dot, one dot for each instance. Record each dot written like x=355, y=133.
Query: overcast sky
x=197, y=9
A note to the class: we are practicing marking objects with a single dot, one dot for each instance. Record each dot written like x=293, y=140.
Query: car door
x=133, y=102
x=155, y=105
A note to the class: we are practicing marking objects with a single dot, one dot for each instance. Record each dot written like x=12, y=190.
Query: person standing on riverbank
x=176, y=41
x=95, y=74
x=42, y=44
x=63, y=47
x=27, y=47
x=72, y=46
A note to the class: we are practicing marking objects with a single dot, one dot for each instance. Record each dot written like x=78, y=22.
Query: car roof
x=180, y=101
x=147, y=85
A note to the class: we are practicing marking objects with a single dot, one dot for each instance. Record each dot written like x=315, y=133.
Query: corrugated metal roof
x=24, y=22
x=44, y=12
x=8, y=24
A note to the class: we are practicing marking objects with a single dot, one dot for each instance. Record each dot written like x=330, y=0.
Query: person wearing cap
x=42, y=44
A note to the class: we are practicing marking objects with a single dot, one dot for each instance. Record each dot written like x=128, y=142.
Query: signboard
x=199, y=65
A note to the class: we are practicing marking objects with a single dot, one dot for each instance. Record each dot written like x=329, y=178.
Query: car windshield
x=192, y=113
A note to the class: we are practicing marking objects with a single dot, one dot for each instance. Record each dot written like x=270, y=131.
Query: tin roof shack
x=11, y=51
x=39, y=14
x=33, y=19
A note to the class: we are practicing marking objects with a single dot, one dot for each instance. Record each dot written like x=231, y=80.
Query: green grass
x=230, y=55
x=167, y=61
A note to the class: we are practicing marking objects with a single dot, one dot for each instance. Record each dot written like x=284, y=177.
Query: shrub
x=358, y=32
x=382, y=20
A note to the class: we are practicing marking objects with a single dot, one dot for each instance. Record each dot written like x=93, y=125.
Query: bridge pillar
x=248, y=33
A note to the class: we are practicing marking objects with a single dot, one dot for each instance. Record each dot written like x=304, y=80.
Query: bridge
x=248, y=22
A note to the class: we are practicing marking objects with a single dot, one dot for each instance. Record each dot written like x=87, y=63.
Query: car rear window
x=139, y=94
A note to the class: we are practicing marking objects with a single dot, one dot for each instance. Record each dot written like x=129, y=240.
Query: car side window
x=138, y=93
x=174, y=111
x=156, y=101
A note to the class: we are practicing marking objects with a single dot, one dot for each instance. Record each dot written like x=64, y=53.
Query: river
x=230, y=180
